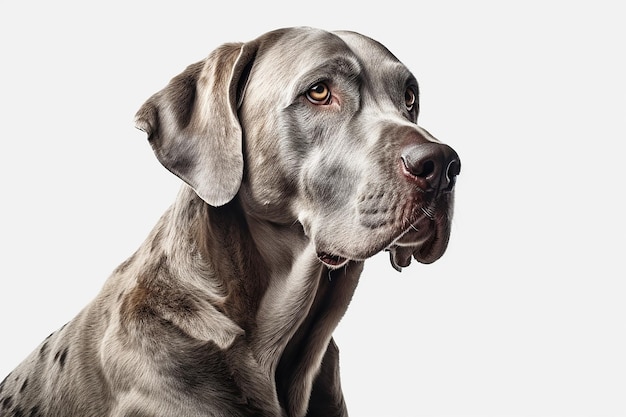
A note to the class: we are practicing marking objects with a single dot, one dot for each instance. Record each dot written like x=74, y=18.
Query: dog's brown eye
x=319, y=94
x=409, y=99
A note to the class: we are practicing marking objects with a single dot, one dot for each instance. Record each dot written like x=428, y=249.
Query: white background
x=525, y=315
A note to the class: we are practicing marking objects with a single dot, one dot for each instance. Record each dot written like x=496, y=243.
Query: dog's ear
x=192, y=123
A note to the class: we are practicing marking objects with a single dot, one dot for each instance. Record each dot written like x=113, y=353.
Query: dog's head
x=313, y=127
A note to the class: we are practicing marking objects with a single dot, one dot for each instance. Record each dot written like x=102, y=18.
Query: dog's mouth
x=425, y=240
x=332, y=261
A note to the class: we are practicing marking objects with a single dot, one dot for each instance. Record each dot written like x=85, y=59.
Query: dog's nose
x=434, y=166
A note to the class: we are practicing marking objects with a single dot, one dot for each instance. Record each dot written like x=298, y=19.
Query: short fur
x=228, y=307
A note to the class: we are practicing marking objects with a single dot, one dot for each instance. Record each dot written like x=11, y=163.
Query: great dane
x=301, y=157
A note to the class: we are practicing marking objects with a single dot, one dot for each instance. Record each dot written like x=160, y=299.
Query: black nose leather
x=434, y=165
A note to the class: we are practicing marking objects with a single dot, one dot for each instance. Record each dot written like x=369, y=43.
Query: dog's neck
x=270, y=283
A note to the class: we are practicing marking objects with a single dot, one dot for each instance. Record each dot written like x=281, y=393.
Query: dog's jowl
x=300, y=157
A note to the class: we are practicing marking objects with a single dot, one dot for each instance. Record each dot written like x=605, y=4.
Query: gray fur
x=227, y=308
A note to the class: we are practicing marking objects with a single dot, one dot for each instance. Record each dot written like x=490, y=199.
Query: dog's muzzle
x=433, y=168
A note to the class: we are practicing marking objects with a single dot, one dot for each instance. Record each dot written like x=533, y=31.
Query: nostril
x=421, y=168
x=454, y=169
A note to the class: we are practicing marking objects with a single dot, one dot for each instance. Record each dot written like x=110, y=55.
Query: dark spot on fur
x=18, y=412
x=333, y=183
x=24, y=385
x=6, y=402
x=60, y=356
x=34, y=412
x=44, y=350
x=155, y=296
x=63, y=357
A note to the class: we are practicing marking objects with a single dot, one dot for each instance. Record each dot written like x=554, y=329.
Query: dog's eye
x=319, y=94
x=409, y=99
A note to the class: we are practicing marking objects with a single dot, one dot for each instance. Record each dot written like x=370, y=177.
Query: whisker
x=429, y=211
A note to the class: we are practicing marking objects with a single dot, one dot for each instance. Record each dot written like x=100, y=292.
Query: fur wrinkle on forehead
x=328, y=70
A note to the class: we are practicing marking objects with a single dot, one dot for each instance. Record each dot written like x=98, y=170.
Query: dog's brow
x=398, y=79
x=336, y=67
x=400, y=73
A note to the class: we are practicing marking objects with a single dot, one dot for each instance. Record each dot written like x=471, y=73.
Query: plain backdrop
x=525, y=315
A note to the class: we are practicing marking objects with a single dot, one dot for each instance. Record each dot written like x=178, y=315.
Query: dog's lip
x=426, y=241
x=435, y=245
x=332, y=261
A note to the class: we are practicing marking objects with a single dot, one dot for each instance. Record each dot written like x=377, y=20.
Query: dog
x=300, y=157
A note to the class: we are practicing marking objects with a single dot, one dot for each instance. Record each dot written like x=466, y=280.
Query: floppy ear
x=193, y=127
